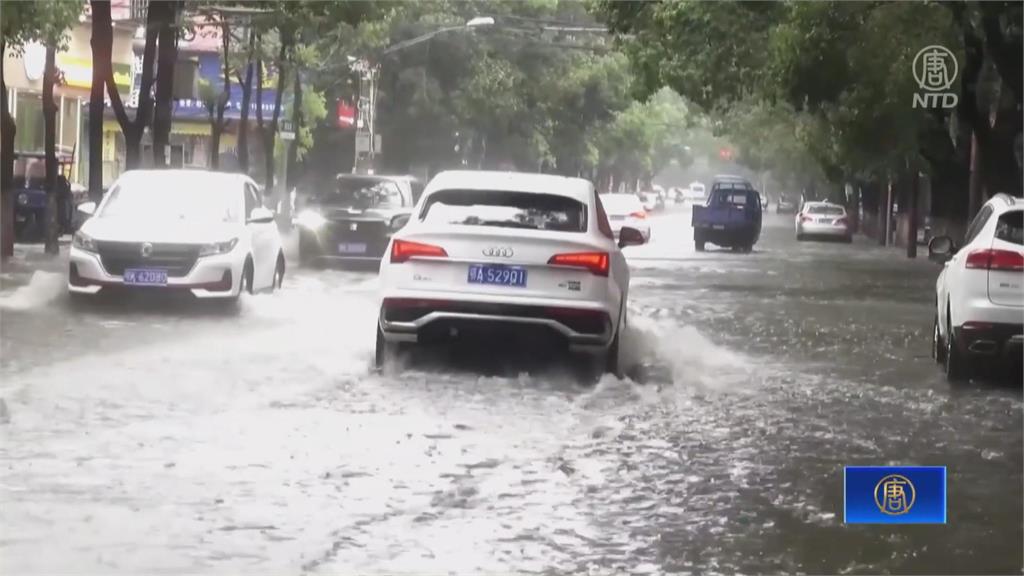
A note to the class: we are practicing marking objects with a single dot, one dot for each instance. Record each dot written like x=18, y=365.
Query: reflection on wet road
x=182, y=440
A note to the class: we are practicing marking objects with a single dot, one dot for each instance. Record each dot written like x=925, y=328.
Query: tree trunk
x=102, y=47
x=225, y=95
x=50, y=149
x=7, y=131
x=270, y=132
x=915, y=189
x=293, y=147
x=976, y=186
x=167, y=48
x=243, y=122
x=885, y=212
x=159, y=16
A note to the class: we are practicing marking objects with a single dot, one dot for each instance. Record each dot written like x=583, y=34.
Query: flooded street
x=178, y=438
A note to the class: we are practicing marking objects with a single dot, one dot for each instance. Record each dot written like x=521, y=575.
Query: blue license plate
x=497, y=275
x=145, y=277
x=352, y=248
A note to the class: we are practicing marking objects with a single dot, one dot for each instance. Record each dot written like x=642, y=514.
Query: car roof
x=1004, y=200
x=730, y=177
x=576, y=188
x=181, y=172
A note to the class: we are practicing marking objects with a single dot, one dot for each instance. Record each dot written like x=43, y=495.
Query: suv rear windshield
x=1010, y=227
x=524, y=210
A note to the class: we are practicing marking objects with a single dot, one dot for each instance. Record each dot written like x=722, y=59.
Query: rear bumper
x=583, y=326
x=823, y=230
x=994, y=340
x=325, y=244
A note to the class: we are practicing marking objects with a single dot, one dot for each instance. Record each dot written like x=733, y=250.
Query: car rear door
x=264, y=237
x=1006, y=260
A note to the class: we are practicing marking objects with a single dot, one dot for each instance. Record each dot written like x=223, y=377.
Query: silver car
x=823, y=220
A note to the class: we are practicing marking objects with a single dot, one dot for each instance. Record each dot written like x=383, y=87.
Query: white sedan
x=626, y=210
x=507, y=253
x=979, y=295
x=206, y=233
x=823, y=220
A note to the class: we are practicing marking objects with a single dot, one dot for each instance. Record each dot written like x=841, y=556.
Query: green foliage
x=44, y=22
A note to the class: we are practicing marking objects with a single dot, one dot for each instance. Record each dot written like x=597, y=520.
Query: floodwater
x=146, y=437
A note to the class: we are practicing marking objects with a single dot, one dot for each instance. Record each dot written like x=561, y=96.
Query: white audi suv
x=206, y=233
x=979, y=295
x=505, y=253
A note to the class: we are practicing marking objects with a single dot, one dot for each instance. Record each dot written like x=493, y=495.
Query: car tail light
x=640, y=215
x=805, y=218
x=842, y=221
x=994, y=259
x=596, y=262
x=402, y=250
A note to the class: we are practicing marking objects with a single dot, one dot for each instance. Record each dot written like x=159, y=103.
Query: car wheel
x=278, y=273
x=698, y=241
x=612, y=356
x=956, y=363
x=247, y=274
x=938, y=346
x=385, y=352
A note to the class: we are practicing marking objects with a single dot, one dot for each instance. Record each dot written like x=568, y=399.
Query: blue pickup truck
x=731, y=217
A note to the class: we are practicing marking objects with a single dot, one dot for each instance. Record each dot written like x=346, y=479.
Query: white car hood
x=159, y=230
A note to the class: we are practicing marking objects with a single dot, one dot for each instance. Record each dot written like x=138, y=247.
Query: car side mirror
x=87, y=208
x=630, y=237
x=399, y=222
x=260, y=215
x=941, y=248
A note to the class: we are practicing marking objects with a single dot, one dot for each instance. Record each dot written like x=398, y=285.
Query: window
x=1010, y=227
x=390, y=196
x=827, y=210
x=185, y=83
x=526, y=210
x=252, y=199
x=602, y=218
x=362, y=193
x=978, y=223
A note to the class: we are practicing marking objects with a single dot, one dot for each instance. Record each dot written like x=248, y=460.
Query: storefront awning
x=182, y=128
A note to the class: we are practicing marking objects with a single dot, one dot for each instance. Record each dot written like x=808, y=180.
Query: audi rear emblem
x=147, y=250
x=498, y=251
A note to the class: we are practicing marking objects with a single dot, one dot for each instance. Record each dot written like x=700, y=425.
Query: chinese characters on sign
x=935, y=69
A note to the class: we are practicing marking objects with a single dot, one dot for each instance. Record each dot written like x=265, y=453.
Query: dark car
x=29, y=184
x=731, y=218
x=354, y=220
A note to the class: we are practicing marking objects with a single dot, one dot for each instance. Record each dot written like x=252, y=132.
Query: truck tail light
x=403, y=250
x=995, y=259
x=639, y=215
x=596, y=262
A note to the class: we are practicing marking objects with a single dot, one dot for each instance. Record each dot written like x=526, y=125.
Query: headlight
x=310, y=219
x=23, y=199
x=215, y=248
x=83, y=241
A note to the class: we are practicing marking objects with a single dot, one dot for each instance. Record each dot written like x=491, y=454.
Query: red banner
x=346, y=114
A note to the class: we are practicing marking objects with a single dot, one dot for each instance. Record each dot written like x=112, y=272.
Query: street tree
x=47, y=23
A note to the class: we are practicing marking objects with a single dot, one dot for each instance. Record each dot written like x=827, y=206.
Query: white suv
x=979, y=296
x=510, y=254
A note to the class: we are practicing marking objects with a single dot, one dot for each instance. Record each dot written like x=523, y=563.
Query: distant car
x=787, y=205
x=651, y=201
x=979, y=295
x=731, y=218
x=510, y=254
x=696, y=193
x=354, y=221
x=823, y=220
x=206, y=233
x=29, y=189
x=625, y=210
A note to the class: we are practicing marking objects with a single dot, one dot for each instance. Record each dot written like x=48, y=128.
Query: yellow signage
x=78, y=72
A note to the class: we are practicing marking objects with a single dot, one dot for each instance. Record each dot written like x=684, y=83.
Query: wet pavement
x=144, y=437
